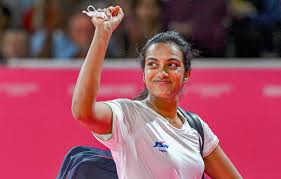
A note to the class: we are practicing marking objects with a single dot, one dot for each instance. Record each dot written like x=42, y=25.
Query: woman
x=148, y=137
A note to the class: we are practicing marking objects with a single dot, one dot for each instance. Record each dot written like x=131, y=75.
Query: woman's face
x=164, y=71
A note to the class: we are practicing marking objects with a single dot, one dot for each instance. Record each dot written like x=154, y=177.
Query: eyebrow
x=170, y=59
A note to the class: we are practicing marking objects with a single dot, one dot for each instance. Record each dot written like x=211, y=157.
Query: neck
x=166, y=107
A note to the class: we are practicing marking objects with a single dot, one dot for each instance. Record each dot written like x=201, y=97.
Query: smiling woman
x=167, y=58
x=164, y=68
x=148, y=137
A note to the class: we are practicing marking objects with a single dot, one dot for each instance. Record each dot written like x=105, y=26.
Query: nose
x=163, y=73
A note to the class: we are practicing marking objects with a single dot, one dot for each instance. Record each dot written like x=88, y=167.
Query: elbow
x=87, y=118
x=75, y=112
x=80, y=112
x=84, y=117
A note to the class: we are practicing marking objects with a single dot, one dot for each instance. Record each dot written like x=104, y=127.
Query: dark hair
x=166, y=37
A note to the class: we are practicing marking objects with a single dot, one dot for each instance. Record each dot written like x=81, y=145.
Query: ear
x=186, y=75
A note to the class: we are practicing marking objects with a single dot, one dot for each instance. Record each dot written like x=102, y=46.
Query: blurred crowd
x=57, y=29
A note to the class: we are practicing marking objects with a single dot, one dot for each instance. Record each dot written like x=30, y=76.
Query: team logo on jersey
x=161, y=146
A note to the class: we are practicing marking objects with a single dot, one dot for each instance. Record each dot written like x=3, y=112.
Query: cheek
x=148, y=74
x=178, y=76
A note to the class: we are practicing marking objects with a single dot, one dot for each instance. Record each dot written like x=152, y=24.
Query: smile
x=162, y=82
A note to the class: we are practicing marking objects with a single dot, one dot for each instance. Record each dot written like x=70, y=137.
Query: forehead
x=164, y=51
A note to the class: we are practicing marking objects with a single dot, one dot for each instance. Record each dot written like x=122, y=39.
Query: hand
x=115, y=16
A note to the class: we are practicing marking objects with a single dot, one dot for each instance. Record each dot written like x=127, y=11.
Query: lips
x=162, y=81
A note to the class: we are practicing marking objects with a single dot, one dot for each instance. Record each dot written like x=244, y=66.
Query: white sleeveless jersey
x=144, y=145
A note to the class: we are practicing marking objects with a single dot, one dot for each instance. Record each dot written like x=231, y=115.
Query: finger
x=118, y=18
x=96, y=20
x=107, y=12
x=115, y=11
x=120, y=13
x=110, y=8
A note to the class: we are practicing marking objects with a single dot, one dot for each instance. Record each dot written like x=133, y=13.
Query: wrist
x=103, y=33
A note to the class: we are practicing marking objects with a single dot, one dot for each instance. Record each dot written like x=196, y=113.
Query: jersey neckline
x=162, y=118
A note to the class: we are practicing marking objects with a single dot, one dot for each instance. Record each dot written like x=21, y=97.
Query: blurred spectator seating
x=5, y=17
x=143, y=19
x=217, y=28
x=201, y=22
x=253, y=23
x=80, y=31
x=15, y=44
x=64, y=35
x=50, y=39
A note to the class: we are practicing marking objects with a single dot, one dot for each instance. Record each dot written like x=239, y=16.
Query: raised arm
x=96, y=116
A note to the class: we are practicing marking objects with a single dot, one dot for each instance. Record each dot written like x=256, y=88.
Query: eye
x=152, y=65
x=173, y=65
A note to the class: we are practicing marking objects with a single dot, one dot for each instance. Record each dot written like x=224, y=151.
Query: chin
x=164, y=95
